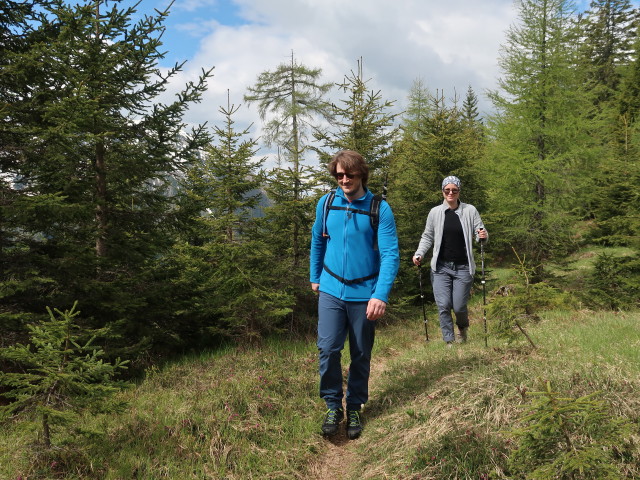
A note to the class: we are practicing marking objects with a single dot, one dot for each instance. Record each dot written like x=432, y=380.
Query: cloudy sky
x=449, y=45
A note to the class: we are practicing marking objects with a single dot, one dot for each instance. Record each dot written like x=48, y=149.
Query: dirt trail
x=339, y=459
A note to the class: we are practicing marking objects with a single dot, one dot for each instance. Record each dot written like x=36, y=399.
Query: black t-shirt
x=452, y=248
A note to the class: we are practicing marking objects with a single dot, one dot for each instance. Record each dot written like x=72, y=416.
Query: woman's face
x=450, y=192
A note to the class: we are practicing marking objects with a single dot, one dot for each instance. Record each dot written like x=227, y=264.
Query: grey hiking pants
x=451, y=289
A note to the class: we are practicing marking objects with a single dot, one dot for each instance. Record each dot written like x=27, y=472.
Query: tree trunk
x=46, y=432
x=101, y=201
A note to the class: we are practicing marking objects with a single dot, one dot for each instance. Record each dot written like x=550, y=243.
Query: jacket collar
x=366, y=195
x=445, y=205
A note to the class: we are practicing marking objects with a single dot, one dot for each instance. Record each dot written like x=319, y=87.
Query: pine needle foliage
x=568, y=438
x=614, y=283
x=58, y=375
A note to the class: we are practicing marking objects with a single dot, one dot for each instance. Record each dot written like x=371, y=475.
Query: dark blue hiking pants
x=336, y=319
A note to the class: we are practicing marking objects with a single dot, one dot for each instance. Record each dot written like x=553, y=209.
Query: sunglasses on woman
x=450, y=190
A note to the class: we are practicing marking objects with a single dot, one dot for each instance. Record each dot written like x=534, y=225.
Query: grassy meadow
x=434, y=412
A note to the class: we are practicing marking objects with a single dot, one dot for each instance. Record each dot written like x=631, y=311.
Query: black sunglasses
x=450, y=190
x=341, y=175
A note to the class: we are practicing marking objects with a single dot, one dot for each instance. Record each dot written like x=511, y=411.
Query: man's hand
x=315, y=287
x=417, y=260
x=375, y=309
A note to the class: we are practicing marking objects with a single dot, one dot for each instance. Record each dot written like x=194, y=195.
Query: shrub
x=568, y=438
x=55, y=376
x=614, y=283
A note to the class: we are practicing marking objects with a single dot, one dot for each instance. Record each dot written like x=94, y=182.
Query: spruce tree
x=14, y=19
x=411, y=174
x=630, y=88
x=90, y=213
x=605, y=33
x=438, y=139
x=606, y=42
x=470, y=108
x=618, y=223
x=58, y=374
x=226, y=184
x=364, y=123
x=224, y=260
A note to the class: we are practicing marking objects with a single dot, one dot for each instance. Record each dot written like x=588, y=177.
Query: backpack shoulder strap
x=325, y=211
x=374, y=218
x=375, y=211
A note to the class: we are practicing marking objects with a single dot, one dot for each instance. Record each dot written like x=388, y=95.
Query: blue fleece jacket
x=349, y=252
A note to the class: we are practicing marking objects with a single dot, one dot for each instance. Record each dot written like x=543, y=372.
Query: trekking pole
x=424, y=311
x=484, y=293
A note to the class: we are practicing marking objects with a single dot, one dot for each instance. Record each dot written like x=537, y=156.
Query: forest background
x=171, y=239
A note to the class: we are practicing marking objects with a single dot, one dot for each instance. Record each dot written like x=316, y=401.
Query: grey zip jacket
x=432, y=235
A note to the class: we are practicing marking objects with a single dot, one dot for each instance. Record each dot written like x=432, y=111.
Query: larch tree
x=290, y=99
x=291, y=102
x=539, y=140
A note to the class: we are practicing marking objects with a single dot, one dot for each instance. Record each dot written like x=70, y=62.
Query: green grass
x=572, y=272
x=228, y=413
x=447, y=414
x=434, y=413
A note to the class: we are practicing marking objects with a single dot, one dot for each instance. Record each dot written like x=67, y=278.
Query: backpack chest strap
x=346, y=281
x=349, y=209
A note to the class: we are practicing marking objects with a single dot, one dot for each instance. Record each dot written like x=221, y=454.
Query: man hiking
x=354, y=261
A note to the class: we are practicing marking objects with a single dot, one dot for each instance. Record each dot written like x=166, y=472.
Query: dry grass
x=434, y=413
x=481, y=392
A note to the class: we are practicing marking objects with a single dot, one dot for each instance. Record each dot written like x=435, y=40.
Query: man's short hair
x=352, y=162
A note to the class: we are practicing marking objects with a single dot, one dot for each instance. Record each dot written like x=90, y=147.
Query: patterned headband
x=451, y=179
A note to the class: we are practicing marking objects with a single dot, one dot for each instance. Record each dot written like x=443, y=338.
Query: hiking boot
x=332, y=419
x=450, y=344
x=354, y=424
x=463, y=334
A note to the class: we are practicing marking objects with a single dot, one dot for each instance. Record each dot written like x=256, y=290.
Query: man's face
x=350, y=186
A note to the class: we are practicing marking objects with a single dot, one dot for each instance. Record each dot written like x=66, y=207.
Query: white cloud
x=449, y=45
